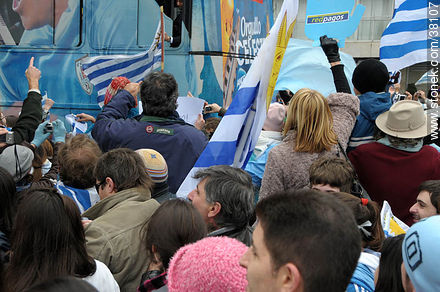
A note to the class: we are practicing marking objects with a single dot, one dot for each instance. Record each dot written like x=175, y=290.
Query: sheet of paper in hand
x=189, y=108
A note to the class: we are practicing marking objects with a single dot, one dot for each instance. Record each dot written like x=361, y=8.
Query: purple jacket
x=178, y=142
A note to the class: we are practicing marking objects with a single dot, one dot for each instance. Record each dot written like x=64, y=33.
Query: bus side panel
x=233, y=28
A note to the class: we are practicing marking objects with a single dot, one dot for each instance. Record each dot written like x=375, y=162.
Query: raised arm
x=331, y=50
x=31, y=112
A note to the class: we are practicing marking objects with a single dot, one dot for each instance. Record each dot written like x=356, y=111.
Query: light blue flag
x=405, y=40
x=236, y=136
x=100, y=70
x=305, y=66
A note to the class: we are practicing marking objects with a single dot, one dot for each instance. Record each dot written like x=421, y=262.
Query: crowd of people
x=99, y=212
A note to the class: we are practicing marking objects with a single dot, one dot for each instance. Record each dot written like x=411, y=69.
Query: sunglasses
x=98, y=186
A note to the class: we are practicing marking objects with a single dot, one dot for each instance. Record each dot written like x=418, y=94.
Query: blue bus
x=214, y=43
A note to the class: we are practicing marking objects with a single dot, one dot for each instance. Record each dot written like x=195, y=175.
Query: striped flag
x=425, y=79
x=236, y=136
x=405, y=40
x=100, y=70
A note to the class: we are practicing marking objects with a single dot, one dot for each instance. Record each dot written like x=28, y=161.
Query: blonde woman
x=313, y=128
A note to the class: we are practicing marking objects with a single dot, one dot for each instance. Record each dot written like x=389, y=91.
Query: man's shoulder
x=371, y=147
x=123, y=218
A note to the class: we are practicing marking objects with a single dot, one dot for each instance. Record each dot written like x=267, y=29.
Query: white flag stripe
x=398, y=3
x=136, y=78
x=404, y=41
x=403, y=37
x=117, y=60
x=413, y=57
x=112, y=59
x=121, y=71
x=417, y=14
x=230, y=122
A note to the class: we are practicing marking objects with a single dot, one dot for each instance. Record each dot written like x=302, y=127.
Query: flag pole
x=162, y=40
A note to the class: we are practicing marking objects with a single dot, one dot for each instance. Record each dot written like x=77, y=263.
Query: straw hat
x=405, y=119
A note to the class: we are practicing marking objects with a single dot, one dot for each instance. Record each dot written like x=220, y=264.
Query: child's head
x=331, y=174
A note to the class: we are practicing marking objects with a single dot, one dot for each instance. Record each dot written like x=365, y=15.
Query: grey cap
x=17, y=160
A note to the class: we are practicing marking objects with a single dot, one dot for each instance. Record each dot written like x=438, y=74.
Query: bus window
x=41, y=23
x=181, y=16
x=11, y=27
x=149, y=18
x=178, y=14
x=114, y=23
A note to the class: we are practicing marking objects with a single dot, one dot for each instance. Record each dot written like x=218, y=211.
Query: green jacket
x=113, y=237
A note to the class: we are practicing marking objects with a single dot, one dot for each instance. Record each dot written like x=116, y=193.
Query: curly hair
x=77, y=159
x=159, y=93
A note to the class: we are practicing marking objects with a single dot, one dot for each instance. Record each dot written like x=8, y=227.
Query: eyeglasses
x=98, y=186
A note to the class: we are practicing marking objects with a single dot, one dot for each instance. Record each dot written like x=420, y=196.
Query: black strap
x=348, y=160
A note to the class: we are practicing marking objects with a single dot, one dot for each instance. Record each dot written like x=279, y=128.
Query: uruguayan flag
x=77, y=127
x=84, y=199
x=100, y=70
x=405, y=40
x=236, y=136
x=425, y=78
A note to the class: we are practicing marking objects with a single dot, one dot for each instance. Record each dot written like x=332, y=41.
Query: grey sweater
x=287, y=169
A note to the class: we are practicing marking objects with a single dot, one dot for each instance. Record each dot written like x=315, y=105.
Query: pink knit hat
x=275, y=117
x=210, y=264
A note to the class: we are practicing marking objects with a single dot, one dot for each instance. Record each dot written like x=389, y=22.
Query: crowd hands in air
x=98, y=212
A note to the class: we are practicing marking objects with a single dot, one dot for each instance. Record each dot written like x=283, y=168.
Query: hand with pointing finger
x=33, y=75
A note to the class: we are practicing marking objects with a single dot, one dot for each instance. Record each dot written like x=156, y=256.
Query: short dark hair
x=11, y=120
x=174, y=224
x=407, y=142
x=390, y=277
x=315, y=232
x=159, y=94
x=363, y=213
x=232, y=188
x=47, y=240
x=334, y=171
x=433, y=188
x=77, y=160
x=41, y=154
x=125, y=167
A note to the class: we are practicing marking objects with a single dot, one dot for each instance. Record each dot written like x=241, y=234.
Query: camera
x=10, y=138
x=207, y=109
x=48, y=128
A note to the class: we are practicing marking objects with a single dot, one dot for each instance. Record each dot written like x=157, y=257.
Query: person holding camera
x=18, y=144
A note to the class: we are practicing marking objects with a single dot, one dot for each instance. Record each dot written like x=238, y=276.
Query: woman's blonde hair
x=309, y=114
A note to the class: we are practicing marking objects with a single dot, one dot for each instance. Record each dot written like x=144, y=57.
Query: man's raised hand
x=33, y=75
